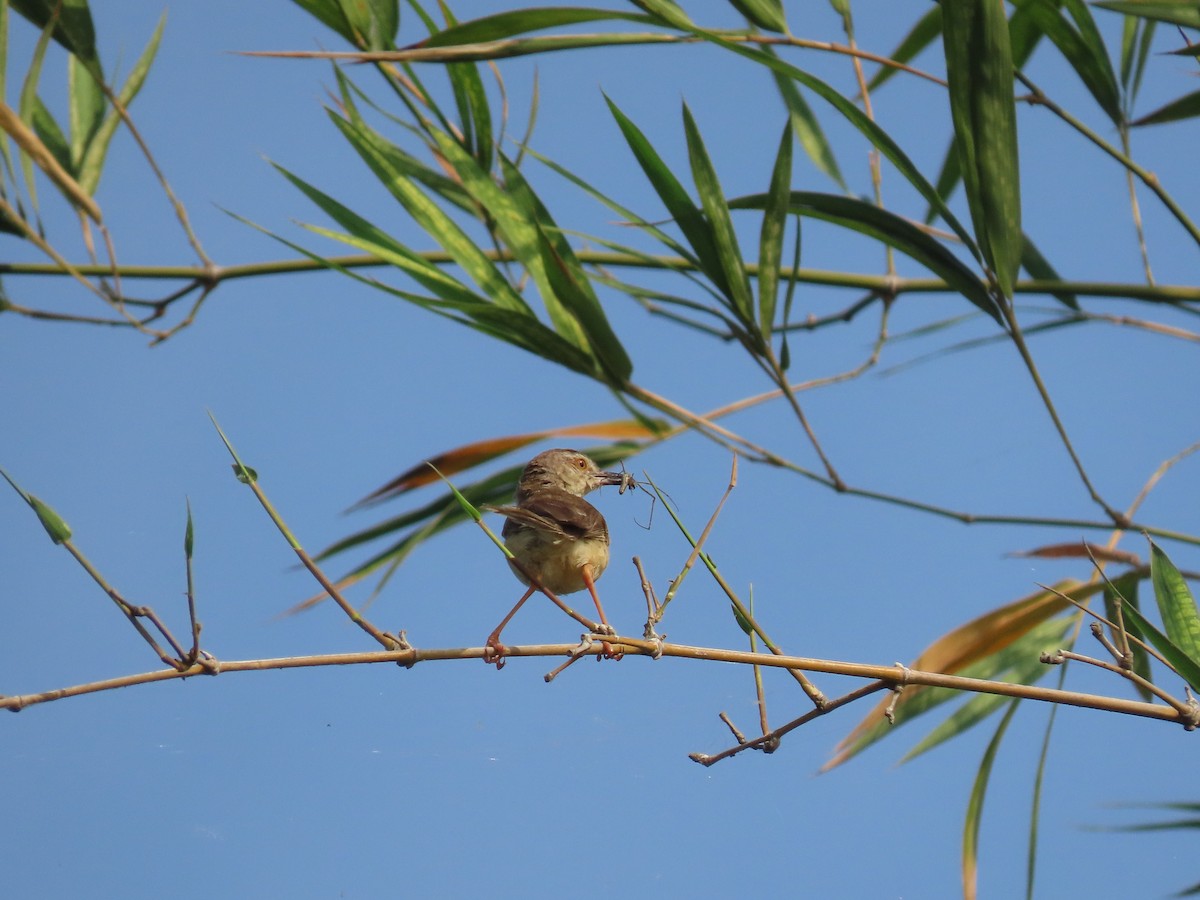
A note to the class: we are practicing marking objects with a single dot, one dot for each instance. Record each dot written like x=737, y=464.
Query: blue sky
x=453, y=779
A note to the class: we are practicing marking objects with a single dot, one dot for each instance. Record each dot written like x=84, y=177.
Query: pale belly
x=558, y=564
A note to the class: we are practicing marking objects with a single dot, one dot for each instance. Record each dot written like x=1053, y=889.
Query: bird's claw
x=494, y=652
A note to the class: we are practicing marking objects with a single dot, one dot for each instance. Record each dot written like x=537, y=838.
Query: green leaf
x=668, y=11
x=1175, y=604
x=1020, y=663
x=924, y=33
x=92, y=162
x=1187, y=668
x=509, y=24
x=189, y=534
x=680, y=207
x=1185, y=107
x=879, y=138
x=885, y=226
x=716, y=210
x=1124, y=588
x=766, y=14
x=808, y=130
x=48, y=132
x=974, y=817
x=86, y=110
x=979, y=70
x=770, y=242
x=367, y=24
x=1176, y=12
x=1039, y=267
x=1082, y=47
x=73, y=28
x=568, y=282
x=433, y=220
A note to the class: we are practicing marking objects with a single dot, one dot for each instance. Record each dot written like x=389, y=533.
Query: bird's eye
x=581, y=462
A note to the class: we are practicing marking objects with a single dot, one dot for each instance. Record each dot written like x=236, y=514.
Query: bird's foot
x=607, y=651
x=494, y=652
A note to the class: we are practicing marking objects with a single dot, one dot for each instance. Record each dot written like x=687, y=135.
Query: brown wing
x=556, y=512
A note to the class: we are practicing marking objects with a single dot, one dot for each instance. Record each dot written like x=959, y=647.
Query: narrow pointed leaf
x=770, y=242
x=879, y=138
x=975, y=643
x=924, y=33
x=667, y=10
x=979, y=70
x=808, y=129
x=885, y=226
x=1020, y=663
x=1185, y=107
x=567, y=281
x=974, y=817
x=679, y=205
x=1175, y=604
x=516, y=22
x=716, y=210
x=1176, y=12
x=1185, y=666
x=766, y=14
x=1039, y=267
x=92, y=162
x=1124, y=590
x=73, y=27
x=86, y=105
x=1083, y=48
x=434, y=221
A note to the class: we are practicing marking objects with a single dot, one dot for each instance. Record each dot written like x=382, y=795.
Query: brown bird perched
x=558, y=540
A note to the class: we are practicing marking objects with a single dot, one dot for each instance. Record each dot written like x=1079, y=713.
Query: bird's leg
x=609, y=653
x=493, y=650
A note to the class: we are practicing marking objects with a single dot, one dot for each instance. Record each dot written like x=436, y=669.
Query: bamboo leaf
x=73, y=28
x=92, y=161
x=879, y=138
x=716, y=210
x=1175, y=604
x=1175, y=12
x=85, y=109
x=766, y=14
x=696, y=229
x=979, y=70
x=1185, y=107
x=1019, y=663
x=1039, y=267
x=1082, y=47
x=974, y=817
x=1124, y=589
x=770, y=242
x=509, y=24
x=973, y=647
x=808, y=130
x=885, y=226
x=434, y=221
x=922, y=34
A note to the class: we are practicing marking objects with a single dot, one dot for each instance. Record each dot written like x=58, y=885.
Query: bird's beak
x=624, y=479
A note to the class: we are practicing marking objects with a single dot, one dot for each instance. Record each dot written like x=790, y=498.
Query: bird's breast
x=557, y=562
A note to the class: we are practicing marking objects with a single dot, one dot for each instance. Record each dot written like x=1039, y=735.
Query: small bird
x=558, y=540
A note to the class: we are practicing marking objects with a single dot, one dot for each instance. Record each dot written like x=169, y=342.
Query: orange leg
x=493, y=650
x=586, y=572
